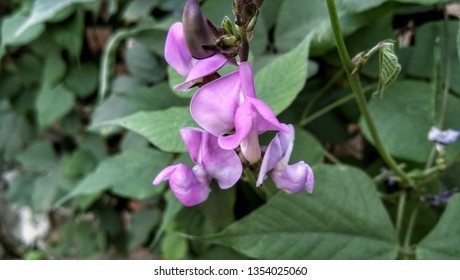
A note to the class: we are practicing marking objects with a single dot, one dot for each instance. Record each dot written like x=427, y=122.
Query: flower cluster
x=231, y=115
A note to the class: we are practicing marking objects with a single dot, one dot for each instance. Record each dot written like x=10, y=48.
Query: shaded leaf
x=443, y=242
x=142, y=64
x=161, y=128
x=15, y=133
x=53, y=104
x=343, y=219
x=44, y=10
x=142, y=223
x=10, y=25
x=82, y=79
x=279, y=83
x=40, y=156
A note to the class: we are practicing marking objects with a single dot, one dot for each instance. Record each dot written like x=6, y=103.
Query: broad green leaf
x=297, y=18
x=343, y=219
x=279, y=83
x=15, y=133
x=443, y=242
x=458, y=42
x=40, y=156
x=422, y=63
x=44, y=10
x=161, y=128
x=174, y=246
x=9, y=26
x=138, y=9
x=389, y=68
x=404, y=113
x=142, y=64
x=82, y=79
x=158, y=97
x=112, y=108
x=80, y=163
x=142, y=223
x=173, y=207
x=424, y=2
x=129, y=174
x=54, y=69
x=53, y=104
x=306, y=148
x=69, y=34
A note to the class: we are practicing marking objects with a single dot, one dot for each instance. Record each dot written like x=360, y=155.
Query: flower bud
x=244, y=11
x=197, y=32
x=228, y=45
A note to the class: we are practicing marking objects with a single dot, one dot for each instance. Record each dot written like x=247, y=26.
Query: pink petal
x=266, y=119
x=189, y=185
x=176, y=52
x=243, y=126
x=294, y=178
x=192, y=140
x=164, y=174
x=247, y=80
x=223, y=165
x=201, y=69
x=214, y=105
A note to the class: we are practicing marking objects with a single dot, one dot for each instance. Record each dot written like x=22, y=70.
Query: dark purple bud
x=244, y=11
x=228, y=45
x=197, y=31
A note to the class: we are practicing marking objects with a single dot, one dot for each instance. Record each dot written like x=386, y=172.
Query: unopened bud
x=197, y=32
x=244, y=11
x=228, y=45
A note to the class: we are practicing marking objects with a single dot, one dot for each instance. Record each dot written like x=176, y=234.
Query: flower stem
x=359, y=95
x=244, y=49
x=400, y=213
x=410, y=229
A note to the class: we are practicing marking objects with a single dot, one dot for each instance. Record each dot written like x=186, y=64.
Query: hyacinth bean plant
x=277, y=129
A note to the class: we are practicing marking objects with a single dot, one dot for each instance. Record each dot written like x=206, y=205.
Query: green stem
x=244, y=49
x=359, y=95
x=445, y=93
x=400, y=213
x=320, y=93
x=331, y=157
x=326, y=109
x=410, y=229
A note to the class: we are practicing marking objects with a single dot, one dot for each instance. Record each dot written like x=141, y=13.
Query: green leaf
x=421, y=63
x=297, y=18
x=129, y=174
x=443, y=242
x=10, y=25
x=142, y=64
x=405, y=114
x=15, y=133
x=159, y=97
x=53, y=104
x=54, y=69
x=44, y=10
x=174, y=246
x=83, y=79
x=80, y=163
x=343, y=219
x=306, y=148
x=173, y=207
x=279, y=83
x=142, y=223
x=389, y=68
x=40, y=156
x=138, y=9
x=69, y=34
x=161, y=128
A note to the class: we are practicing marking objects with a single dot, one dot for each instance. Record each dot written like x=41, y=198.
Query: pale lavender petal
x=223, y=165
x=274, y=153
x=243, y=125
x=445, y=137
x=247, y=80
x=190, y=186
x=214, y=105
x=266, y=119
x=250, y=147
x=192, y=140
x=287, y=142
x=201, y=69
x=176, y=52
x=293, y=178
x=164, y=174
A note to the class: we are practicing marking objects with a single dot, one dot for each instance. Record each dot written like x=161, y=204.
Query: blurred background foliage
x=74, y=74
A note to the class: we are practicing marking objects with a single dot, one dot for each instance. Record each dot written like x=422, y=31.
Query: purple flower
x=230, y=103
x=191, y=185
x=291, y=178
x=445, y=137
x=178, y=57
